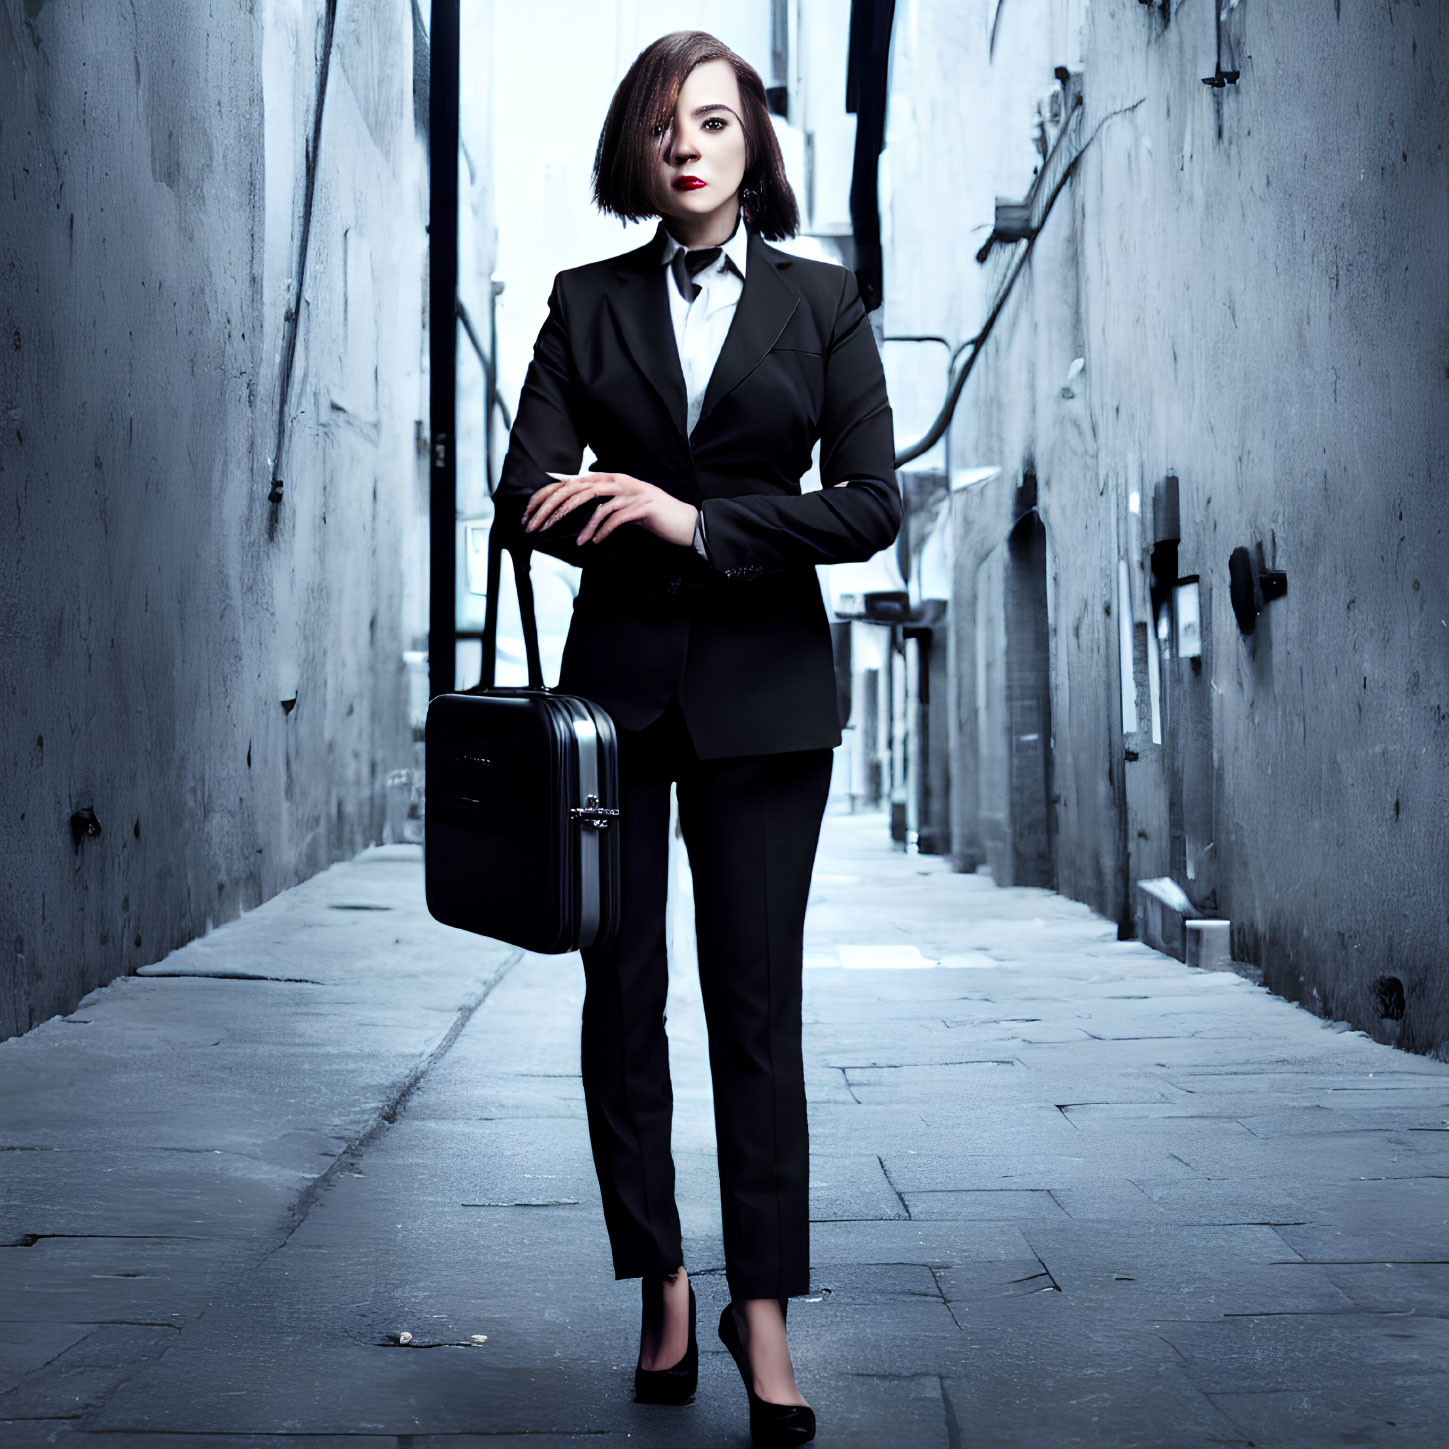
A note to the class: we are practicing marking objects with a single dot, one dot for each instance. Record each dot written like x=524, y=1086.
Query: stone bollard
x=1209, y=945
x=397, y=801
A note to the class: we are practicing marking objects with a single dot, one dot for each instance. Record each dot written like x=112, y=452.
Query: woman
x=701, y=369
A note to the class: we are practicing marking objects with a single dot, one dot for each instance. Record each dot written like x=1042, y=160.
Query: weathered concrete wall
x=1257, y=279
x=215, y=675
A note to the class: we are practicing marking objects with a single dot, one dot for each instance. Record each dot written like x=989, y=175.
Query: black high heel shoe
x=772, y=1426
x=676, y=1384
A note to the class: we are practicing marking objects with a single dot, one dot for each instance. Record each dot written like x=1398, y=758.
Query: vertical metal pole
x=443, y=342
x=490, y=381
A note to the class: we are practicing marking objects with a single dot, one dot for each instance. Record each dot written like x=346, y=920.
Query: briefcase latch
x=591, y=812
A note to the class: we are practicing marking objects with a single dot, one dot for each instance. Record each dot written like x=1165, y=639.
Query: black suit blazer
x=743, y=638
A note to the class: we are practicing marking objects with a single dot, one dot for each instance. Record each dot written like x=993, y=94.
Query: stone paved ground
x=1066, y=1192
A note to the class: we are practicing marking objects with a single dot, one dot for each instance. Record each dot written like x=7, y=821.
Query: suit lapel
x=765, y=307
x=641, y=310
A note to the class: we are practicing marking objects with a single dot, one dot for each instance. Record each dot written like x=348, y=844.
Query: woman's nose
x=683, y=148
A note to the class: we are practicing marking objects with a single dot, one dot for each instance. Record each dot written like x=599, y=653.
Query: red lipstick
x=687, y=183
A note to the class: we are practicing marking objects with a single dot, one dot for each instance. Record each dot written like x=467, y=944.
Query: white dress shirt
x=700, y=325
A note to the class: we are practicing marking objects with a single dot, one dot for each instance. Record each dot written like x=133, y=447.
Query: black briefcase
x=521, y=833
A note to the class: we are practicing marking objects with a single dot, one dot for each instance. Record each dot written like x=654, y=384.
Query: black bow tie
x=685, y=265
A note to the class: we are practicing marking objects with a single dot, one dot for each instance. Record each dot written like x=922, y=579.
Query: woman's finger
x=593, y=530
x=540, y=497
x=600, y=481
x=564, y=501
x=607, y=507
x=585, y=533
x=570, y=490
x=573, y=488
x=629, y=513
x=532, y=507
x=616, y=483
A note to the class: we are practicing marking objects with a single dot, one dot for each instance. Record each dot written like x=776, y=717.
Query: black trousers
x=751, y=825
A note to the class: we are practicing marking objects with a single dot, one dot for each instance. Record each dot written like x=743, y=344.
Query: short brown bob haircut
x=624, y=162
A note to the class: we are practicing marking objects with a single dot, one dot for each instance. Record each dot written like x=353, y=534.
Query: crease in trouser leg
x=624, y=1054
x=751, y=862
x=772, y=1028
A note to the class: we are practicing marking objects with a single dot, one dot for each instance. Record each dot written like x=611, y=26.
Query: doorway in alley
x=1028, y=703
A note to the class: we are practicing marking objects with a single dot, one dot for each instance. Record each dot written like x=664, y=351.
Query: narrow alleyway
x=1066, y=1191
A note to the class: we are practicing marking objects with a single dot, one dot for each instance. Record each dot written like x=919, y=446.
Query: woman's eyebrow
x=713, y=106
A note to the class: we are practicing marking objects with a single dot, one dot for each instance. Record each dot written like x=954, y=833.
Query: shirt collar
x=735, y=248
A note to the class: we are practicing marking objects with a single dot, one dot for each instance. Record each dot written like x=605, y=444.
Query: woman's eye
x=720, y=120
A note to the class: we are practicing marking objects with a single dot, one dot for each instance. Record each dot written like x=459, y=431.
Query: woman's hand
x=624, y=500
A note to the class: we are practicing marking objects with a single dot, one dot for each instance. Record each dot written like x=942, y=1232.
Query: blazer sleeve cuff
x=829, y=525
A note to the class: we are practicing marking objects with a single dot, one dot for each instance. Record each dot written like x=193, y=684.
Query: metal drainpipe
x=443, y=344
x=292, y=319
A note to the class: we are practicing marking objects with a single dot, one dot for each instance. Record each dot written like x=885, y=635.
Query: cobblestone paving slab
x=1065, y=1191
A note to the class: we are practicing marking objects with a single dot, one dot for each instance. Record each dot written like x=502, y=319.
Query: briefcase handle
x=524, y=584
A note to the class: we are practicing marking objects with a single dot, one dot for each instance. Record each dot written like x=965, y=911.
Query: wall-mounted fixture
x=1165, y=591
x=1013, y=223
x=891, y=606
x=1187, y=615
x=1251, y=587
x=1167, y=510
x=1228, y=20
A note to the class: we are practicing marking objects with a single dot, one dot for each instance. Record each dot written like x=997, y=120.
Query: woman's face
x=701, y=158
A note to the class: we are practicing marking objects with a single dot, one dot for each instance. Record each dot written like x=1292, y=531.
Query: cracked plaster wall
x=1257, y=278
x=156, y=610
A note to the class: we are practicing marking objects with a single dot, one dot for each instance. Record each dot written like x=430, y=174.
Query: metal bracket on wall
x=1251, y=587
x=1227, y=24
x=1067, y=149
